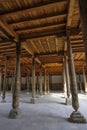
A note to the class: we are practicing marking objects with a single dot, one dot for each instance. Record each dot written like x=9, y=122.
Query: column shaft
x=45, y=82
x=27, y=82
x=4, y=83
x=85, y=81
x=40, y=79
x=64, y=80
x=33, y=78
x=0, y=82
x=48, y=84
x=73, y=83
x=67, y=77
x=15, y=112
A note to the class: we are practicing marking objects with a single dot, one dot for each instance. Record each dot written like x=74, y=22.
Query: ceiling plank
x=41, y=46
x=56, y=42
x=34, y=46
x=25, y=45
x=49, y=47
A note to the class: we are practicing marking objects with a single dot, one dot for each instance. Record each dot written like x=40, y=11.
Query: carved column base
x=68, y=101
x=77, y=117
x=32, y=100
x=15, y=113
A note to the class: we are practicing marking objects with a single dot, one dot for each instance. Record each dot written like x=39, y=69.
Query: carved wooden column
x=15, y=112
x=4, y=83
x=27, y=82
x=40, y=79
x=64, y=80
x=85, y=81
x=0, y=81
x=45, y=82
x=48, y=89
x=83, y=16
x=75, y=116
x=37, y=84
x=33, y=81
x=68, y=100
x=7, y=83
x=80, y=83
x=67, y=77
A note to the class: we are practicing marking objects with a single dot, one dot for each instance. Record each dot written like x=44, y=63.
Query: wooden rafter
x=34, y=46
x=41, y=46
x=49, y=47
x=8, y=29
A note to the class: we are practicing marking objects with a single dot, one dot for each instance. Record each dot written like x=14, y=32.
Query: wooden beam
x=43, y=27
x=40, y=35
x=50, y=54
x=70, y=12
x=40, y=18
x=46, y=4
x=8, y=29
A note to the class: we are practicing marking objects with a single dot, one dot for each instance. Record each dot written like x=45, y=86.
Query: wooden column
x=80, y=83
x=75, y=116
x=15, y=112
x=45, y=82
x=27, y=82
x=4, y=83
x=67, y=77
x=0, y=82
x=40, y=79
x=83, y=16
x=7, y=83
x=37, y=84
x=85, y=81
x=48, y=89
x=33, y=81
x=64, y=80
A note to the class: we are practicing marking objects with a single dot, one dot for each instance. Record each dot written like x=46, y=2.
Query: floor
x=49, y=113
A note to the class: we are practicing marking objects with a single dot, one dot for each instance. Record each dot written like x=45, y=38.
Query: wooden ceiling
x=40, y=26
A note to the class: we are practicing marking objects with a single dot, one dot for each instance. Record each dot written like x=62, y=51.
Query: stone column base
x=32, y=100
x=15, y=113
x=68, y=101
x=77, y=117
